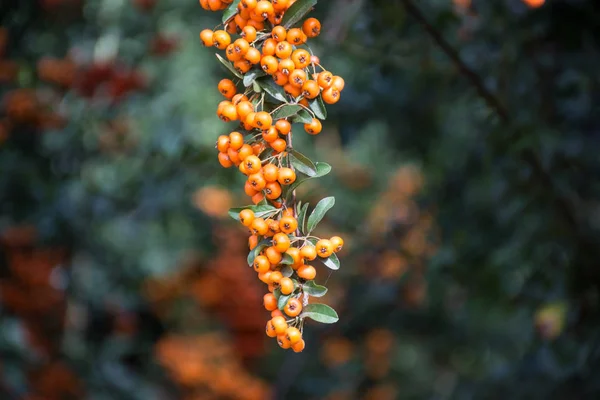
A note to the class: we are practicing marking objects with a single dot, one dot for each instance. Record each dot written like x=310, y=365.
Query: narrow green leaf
x=302, y=218
x=303, y=117
x=282, y=301
x=296, y=12
x=313, y=289
x=319, y=212
x=318, y=107
x=260, y=211
x=287, y=260
x=253, y=75
x=277, y=293
x=322, y=170
x=228, y=66
x=272, y=89
x=287, y=271
x=256, y=87
x=231, y=11
x=286, y=111
x=320, y=313
x=333, y=262
x=303, y=163
x=263, y=244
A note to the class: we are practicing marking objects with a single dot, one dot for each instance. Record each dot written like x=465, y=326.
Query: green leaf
x=272, y=89
x=282, y=301
x=322, y=170
x=287, y=260
x=333, y=262
x=320, y=313
x=277, y=293
x=260, y=211
x=319, y=212
x=303, y=163
x=318, y=107
x=286, y=111
x=287, y=271
x=302, y=218
x=228, y=66
x=252, y=75
x=231, y=11
x=303, y=117
x=256, y=87
x=313, y=289
x=296, y=12
x=263, y=244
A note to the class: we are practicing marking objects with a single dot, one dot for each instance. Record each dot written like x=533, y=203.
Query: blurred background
x=466, y=160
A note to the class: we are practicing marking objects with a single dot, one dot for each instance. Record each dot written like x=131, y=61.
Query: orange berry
x=242, y=66
x=308, y=252
x=252, y=164
x=227, y=88
x=286, y=285
x=273, y=227
x=265, y=277
x=263, y=120
x=281, y=242
x=338, y=83
x=270, y=135
x=225, y=161
x=324, y=248
x=262, y=264
x=293, y=308
x=286, y=176
x=264, y=9
x=293, y=335
x=231, y=54
x=283, y=49
x=269, y=64
x=289, y=212
x=245, y=152
x=277, y=313
x=288, y=225
x=301, y=58
x=249, y=4
x=270, y=172
x=249, y=190
x=257, y=198
x=243, y=109
x=279, y=145
x=273, y=255
x=286, y=66
x=311, y=89
x=337, y=243
x=325, y=79
x=238, y=98
x=273, y=190
x=299, y=346
x=292, y=90
x=311, y=27
x=253, y=56
x=233, y=156
x=228, y=113
x=259, y=227
x=221, y=39
x=276, y=277
x=281, y=5
x=252, y=242
x=270, y=329
x=331, y=95
x=297, y=78
x=279, y=323
x=314, y=128
x=270, y=302
x=296, y=37
x=283, y=342
x=257, y=181
x=307, y=272
x=279, y=33
x=206, y=36
x=223, y=143
x=241, y=46
x=283, y=126
x=258, y=25
x=269, y=47
x=249, y=33
x=280, y=78
x=247, y=217
x=236, y=140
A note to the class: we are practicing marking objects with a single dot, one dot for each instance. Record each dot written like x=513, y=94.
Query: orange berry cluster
x=273, y=63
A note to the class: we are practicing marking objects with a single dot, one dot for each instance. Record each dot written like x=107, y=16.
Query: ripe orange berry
x=249, y=190
x=314, y=128
x=296, y=37
x=247, y=217
x=257, y=181
x=273, y=255
x=299, y=346
x=273, y=190
x=279, y=323
x=240, y=21
x=243, y=109
x=294, y=252
x=206, y=36
x=283, y=342
x=253, y=56
x=227, y=88
x=252, y=242
x=534, y=3
x=286, y=66
x=289, y=212
x=264, y=9
x=270, y=172
x=281, y=242
x=331, y=95
x=337, y=243
x=248, y=33
x=236, y=140
x=283, y=49
x=288, y=225
x=238, y=98
x=270, y=135
x=258, y=25
x=286, y=176
x=245, y=152
x=249, y=4
x=231, y=54
x=276, y=277
x=269, y=47
x=241, y=46
x=265, y=277
x=279, y=33
x=262, y=264
x=223, y=143
x=281, y=5
x=270, y=329
x=221, y=39
x=269, y=64
x=225, y=161
x=280, y=78
x=311, y=27
x=338, y=83
x=324, y=248
x=228, y=113
x=308, y=252
x=325, y=79
x=283, y=126
x=286, y=285
x=260, y=227
x=279, y=145
x=311, y=89
x=270, y=302
x=273, y=227
x=293, y=335
x=297, y=78
x=233, y=156
x=257, y=148
x=293, y=308
x=252, y=164
x=250, y=120
x=307, y=272
x=277, y=313
x=263, y=120
x=242, y=66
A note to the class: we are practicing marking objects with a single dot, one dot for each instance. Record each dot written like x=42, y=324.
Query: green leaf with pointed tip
x=272, y=89
x=260, y=211
x=319, y=212
x=303, y=163
x=318, y=107
x=313, y=289
x=320, y=313
x=303, y=117
x=253, y=75
x=296, y=12
x=322, y=170
x=228, y=66
x=263, y=244
x=332, y=262
x=286, y=111
x=302, y=218
x=287, y=259
x=231, y=11
x=287, y=271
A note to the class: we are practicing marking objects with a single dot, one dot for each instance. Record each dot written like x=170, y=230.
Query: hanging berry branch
x=276, y=82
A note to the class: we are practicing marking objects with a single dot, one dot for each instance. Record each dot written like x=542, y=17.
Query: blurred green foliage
x=471, y=266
